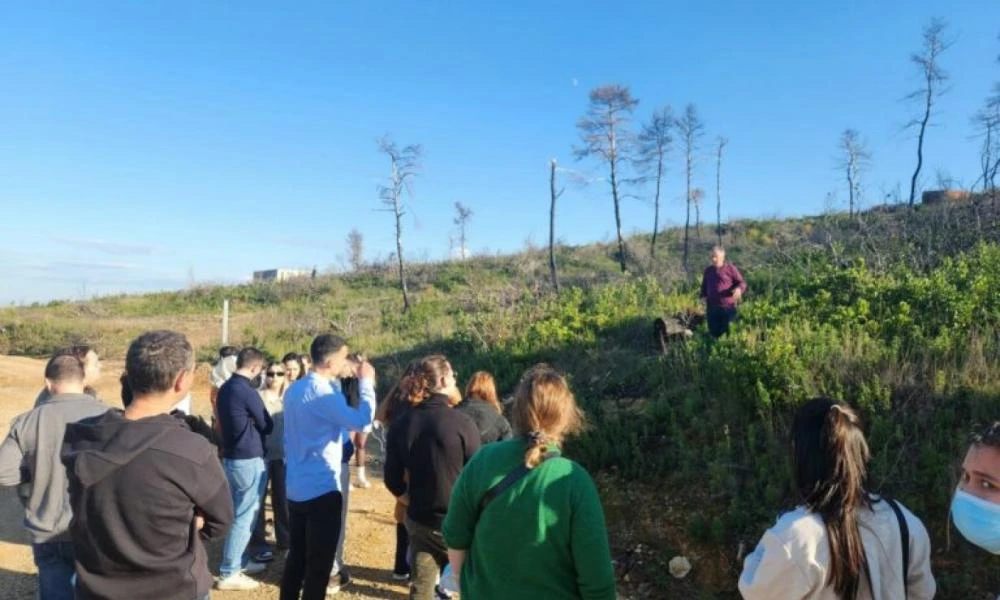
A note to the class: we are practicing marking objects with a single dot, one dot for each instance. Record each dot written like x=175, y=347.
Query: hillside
x=894, y=311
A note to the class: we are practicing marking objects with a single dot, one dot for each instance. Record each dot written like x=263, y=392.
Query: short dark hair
x=155, y=358
x=249, y=357
x=227, y=351
x=987, y=436
x=64, y=368
x=325, y=345
x=126, y=390
x=79, y=351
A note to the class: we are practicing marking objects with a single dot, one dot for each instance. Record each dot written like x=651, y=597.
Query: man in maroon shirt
x=722, y=287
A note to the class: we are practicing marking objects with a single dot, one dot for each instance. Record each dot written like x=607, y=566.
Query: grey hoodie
x=30, y=455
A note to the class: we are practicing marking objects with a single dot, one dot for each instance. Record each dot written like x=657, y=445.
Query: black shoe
x=401, y=576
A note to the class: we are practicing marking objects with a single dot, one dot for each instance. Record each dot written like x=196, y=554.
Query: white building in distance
x=280, y=275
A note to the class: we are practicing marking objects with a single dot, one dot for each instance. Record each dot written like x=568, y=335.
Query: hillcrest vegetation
x=894, y=310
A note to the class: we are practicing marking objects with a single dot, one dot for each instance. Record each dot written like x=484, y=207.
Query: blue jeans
x=55, y=570
x=247, y=483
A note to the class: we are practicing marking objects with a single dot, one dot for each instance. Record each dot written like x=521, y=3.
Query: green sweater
x=543, y=538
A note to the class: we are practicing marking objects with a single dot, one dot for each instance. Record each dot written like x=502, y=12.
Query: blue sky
x=143, y=143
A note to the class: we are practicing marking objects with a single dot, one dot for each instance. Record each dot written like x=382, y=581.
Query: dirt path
x=370, y=530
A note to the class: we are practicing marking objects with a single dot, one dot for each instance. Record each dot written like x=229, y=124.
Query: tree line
x=635, y=160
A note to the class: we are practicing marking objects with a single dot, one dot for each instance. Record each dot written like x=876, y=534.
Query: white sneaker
x=236, y=582
x=253, y=567
x=363, y=483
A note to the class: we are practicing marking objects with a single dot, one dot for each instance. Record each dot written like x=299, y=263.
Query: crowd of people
x=119, y=501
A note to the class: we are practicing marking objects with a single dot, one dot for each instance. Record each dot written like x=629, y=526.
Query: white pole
x=225, y=322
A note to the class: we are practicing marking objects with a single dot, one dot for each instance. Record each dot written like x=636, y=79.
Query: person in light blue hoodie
x=317, y=417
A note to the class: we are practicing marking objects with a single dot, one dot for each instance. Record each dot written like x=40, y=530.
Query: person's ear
x=49, y=386
x=184, y=381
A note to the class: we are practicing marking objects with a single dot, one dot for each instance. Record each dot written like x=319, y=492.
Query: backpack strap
x=904, y=536
x=513, y=477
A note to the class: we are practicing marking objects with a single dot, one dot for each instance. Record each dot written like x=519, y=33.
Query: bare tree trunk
x=656, y=207
x=399, y=256
x=552, y=225
x=618, y=216
x=697, y=221
x=920, y=140
x=718, y=191
x=687, y=220
x=850, y=192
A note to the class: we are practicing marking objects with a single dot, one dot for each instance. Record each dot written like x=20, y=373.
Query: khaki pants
x=428, y=555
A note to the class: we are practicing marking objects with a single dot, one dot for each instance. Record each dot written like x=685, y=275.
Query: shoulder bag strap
x=904, y=535
x=513, y=477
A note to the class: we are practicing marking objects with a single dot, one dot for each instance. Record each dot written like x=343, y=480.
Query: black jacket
x=493, y=426
x=432, y=442
x=135, y=487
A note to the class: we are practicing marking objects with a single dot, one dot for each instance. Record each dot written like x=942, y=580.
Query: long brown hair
x=423, y=381
x=831, y=466
x=483, y=387
x=545, y=412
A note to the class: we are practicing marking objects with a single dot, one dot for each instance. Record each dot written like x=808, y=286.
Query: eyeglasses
x=274, y=374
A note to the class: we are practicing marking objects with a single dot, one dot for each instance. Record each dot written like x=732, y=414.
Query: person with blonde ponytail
x=842, y=543
x=426, y=448
x=525, y=522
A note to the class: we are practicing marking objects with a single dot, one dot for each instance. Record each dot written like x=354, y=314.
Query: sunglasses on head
x=275, y=373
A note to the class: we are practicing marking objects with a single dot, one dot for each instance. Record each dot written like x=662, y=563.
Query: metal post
x=225, y=322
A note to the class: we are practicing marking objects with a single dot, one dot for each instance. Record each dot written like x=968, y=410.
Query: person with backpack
x=523, y=521
x=842, y=542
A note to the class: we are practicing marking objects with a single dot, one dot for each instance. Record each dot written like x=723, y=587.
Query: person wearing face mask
x=245, y=423
x=426, y=449
x=317, y=420
x=975, y=509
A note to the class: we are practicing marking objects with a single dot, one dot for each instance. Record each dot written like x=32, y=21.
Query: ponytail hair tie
x=537, y=438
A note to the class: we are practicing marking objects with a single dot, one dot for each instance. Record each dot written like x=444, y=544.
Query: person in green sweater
x=523, y=521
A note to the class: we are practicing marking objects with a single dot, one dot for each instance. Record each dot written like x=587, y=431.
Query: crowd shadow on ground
x=17, y=586
x=12, y=519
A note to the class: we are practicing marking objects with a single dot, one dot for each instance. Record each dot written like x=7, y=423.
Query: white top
x=792, y=560
x=222, y=371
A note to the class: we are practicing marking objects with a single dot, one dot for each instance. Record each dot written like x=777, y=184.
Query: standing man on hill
x=145, y=489
x=318, y=419
x=31, y=454
x=244, y=422
x=722, y=287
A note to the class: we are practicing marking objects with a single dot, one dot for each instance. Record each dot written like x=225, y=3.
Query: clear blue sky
x=142, y=142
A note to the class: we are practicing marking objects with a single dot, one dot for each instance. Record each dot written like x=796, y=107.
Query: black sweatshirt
x=135, y=487
x=492, y=425
x=432, y=442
